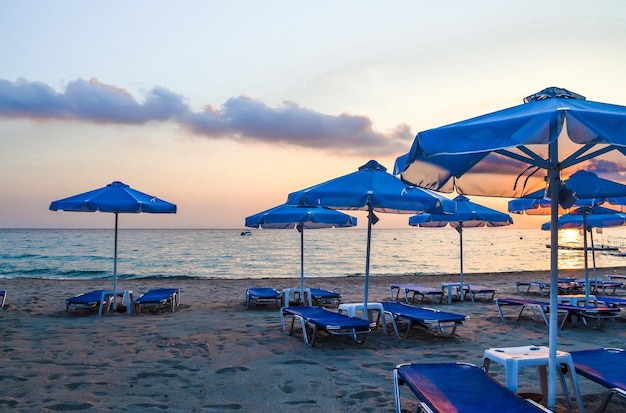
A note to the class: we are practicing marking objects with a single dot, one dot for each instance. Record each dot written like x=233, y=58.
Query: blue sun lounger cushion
x=605, y=366
x=322, y=319
x=263, y=295
x=422, y=316
x=320, y=297
x=86, y=301
x=158, y=297
x=457, y=387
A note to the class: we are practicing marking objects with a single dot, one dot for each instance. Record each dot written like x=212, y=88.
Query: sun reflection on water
x=570, y=254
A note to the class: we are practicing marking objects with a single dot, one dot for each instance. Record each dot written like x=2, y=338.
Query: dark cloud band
x=240, y=118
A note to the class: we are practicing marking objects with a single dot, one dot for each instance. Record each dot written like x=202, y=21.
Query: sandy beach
x=214, y=355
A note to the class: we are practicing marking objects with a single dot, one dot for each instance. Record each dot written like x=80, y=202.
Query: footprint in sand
x=66, y=407
x=301, y=402
x=16, y=378
x=296, y=361
x=365, y=395
x=232, y=369
x=222, y=407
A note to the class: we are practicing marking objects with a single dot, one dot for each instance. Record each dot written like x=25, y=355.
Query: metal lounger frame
x=598, y=313
x=359, y=335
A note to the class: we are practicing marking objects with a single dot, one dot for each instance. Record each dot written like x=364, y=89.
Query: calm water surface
x=206, y=254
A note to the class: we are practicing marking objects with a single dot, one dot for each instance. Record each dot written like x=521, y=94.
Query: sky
x=225, y=107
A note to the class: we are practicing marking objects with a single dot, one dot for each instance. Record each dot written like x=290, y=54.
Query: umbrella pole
x=460, y=229
x=302, y=263
x=554, y=185
x=367, y=257
x=115, y=267
x=586, y=258
x=593, y=258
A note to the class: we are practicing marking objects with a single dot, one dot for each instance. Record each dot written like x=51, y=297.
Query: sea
x=85, y=254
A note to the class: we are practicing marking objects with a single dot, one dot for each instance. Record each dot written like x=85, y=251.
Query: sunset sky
x=224, y=107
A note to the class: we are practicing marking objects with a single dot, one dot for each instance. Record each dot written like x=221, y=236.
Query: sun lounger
x=263, y=296
x=422, y=316
x=544, y=287
x=570, y=286
x=456, y=387
x=159, y=297
x=86, y=301
x=414, y=290
x=472, y=290
x=322, y=319
x=605, y=366
x=3, y=297
x=612, y=301
x=602, y=285
x=617, y=278
x=320, y=297
x=598, y=313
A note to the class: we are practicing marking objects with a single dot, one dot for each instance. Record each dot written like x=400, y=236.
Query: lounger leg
x=608, y=397
x=282, y=322
x=305, y=333
x=356, y=337
x=128, y=299
x=393, y=323
x=545, y=317
x=391, y=292
x=408, y=328
x=520, y=313
x=396, y=389
x=500, y=311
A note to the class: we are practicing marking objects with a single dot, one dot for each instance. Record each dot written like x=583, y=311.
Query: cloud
x=90, y=101
x=240, y=118
x=248, y=119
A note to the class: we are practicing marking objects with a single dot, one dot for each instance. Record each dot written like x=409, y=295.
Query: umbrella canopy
x=468, y=215
x=504, y=153
x=371, y=188
x=587, y=218
x=117, y=198
x=585, y=186
x=300, y=217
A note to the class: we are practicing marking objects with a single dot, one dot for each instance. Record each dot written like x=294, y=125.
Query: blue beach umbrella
x=371, y=188
x=117, y=198
x=468, y=215
x=587, y=218
x=587, y=191
x=516, y=151
x=300, y=217
x=583, y=187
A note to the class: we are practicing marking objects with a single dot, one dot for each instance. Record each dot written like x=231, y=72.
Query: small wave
x=20, y=256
